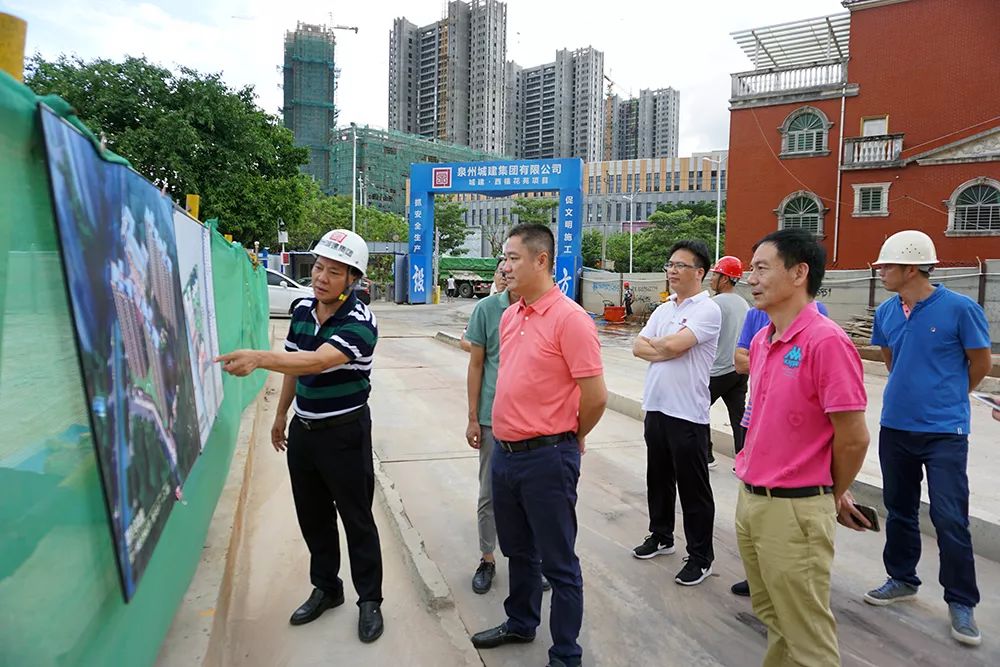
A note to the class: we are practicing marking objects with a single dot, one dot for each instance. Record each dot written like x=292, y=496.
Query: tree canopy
x=450, y=225
x=190, y=133
x=533, y=209
x=670, y=224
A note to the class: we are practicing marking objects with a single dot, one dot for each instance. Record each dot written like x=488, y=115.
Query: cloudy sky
x=646, y=43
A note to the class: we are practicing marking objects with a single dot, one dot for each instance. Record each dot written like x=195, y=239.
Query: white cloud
x=646, y=43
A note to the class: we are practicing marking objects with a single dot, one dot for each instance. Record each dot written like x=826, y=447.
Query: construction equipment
x=341, y=27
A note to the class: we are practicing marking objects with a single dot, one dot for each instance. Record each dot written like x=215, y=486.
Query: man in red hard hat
x=723, y=380
x=627, y=299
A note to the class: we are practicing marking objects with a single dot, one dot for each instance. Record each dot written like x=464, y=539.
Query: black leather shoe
x=499, y=636
x=556, y=662
x=370, y=623
x=482, y=581
x=546, y=584
x=314, y=607
x=741, y=588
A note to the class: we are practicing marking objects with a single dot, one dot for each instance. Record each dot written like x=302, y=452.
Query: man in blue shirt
x=936, y=345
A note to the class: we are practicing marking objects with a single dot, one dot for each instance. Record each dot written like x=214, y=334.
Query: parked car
x=363, y=290
x=284, y=294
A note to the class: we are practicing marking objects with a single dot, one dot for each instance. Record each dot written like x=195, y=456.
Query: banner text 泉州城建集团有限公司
x=496, y=179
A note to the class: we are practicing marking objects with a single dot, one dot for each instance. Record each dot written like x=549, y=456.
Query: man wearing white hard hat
x=936, y=345
x=327, y=365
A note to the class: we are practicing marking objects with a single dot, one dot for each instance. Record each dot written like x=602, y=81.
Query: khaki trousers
x=787, y=549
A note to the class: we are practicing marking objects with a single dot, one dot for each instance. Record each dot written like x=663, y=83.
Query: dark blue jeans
x=903, y=456
x=534, y=504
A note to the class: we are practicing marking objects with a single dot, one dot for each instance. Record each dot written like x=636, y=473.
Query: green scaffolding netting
x=60, y=596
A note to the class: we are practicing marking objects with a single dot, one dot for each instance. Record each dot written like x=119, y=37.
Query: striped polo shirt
x=339, y=389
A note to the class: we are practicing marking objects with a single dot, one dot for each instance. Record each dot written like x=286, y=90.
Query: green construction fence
x=60, y=597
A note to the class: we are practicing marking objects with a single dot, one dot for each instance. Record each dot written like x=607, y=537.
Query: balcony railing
x=881, y=150
x=777, y=81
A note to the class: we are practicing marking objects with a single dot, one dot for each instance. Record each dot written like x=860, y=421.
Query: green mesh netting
x=60, y=596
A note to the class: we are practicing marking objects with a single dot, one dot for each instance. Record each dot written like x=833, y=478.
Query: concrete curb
x=433, y=588
x=449, y=339
x=197, y=633
x=867, y=490
x=232, y=520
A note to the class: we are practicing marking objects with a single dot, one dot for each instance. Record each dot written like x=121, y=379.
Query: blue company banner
x=496, y=179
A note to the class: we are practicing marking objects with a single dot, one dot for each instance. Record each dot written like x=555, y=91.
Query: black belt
x=330, y=422
x=800, y=492
x=534, y=443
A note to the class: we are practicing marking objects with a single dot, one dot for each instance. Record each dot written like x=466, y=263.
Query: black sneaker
x=741, y=588
x=652, y=546
x=692, y=574
x=482, y=581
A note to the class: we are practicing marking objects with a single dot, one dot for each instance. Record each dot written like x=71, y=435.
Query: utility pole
x=718, y=200
x=354, y=179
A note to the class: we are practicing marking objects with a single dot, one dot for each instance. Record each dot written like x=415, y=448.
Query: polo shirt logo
x=794, y=357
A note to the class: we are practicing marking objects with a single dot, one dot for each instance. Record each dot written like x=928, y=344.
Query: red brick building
x=861, y=124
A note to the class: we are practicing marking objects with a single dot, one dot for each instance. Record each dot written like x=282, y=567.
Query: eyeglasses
x=680, y=266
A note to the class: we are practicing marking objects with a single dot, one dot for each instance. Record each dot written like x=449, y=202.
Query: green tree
x=324, y=213
x=533, y=209
x=190, y=133
x=495, y=230
x=450, y=225
x=591, y=244
x=697, y=208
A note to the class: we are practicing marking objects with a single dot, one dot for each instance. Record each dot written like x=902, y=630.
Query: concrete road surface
x=271, y=578
x=635, y=613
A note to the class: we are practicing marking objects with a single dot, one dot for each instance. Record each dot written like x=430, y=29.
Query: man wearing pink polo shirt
x=806, y=442
x=550, y=393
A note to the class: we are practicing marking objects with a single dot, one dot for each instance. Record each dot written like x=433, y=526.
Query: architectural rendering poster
x=116, y=234
x=194, y=260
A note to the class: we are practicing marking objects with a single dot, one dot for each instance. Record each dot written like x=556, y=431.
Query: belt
x=516, y=446
x=330, y=422
x=800, y=492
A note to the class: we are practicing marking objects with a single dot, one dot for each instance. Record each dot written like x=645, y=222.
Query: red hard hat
x=626, y=284
x=729, y=266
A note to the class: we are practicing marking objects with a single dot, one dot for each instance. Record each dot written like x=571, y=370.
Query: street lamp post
x=354, y=178
x=630, y=197
x=282, y=239
x=718, y=200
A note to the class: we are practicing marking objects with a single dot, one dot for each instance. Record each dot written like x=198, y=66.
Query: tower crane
x=341, y=27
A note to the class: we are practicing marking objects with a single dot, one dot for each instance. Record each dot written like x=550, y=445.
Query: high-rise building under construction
x=310, y=81
x=642, y=127
x=447, y=79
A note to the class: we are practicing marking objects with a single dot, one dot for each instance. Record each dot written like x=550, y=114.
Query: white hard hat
x=343, y=245
x=907, y=247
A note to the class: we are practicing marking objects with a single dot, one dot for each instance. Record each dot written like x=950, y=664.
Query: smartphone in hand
x=870, y=514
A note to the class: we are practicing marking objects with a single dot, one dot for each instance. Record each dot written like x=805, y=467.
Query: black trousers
x=332, y=473
x=677, y=462
x=732, y=389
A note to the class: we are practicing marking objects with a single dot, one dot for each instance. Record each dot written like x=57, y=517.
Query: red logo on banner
x=442, y=177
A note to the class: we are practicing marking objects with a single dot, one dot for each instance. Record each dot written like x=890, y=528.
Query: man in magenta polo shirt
x=550, y=393
x=806, y=442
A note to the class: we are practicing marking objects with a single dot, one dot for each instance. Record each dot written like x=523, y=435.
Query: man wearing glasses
x=679, y=342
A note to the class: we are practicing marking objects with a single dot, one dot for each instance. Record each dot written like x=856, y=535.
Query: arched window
x=974, y=208
x=801, y=210
x=804, y=133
